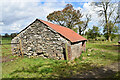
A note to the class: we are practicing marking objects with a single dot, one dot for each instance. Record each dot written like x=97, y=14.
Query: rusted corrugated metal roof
x=66, y=32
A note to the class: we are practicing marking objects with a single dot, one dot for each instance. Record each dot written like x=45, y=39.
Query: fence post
x=21, y=47
x=20, y=44
x=66, y=51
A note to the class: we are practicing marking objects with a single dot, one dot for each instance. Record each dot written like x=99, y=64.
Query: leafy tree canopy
x=68, y=17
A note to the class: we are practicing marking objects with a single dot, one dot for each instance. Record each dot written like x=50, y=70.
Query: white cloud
x=17, y=15
x=88, y=9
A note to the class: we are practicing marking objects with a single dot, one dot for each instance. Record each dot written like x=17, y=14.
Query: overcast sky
x=15, y=15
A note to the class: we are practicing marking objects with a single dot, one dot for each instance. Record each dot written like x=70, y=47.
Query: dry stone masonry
x=39, y=39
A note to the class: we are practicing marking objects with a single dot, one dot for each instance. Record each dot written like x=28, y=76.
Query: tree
x=107, y=10
x=13, y=35
x=84, y=24
x=89, y=34
x=7, y=35
x=68, y=17
x=93, y=33
x=96, y=32
x=88, y=19
x=112, y=29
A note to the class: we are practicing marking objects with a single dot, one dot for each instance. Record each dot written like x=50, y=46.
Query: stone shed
x=42, y=38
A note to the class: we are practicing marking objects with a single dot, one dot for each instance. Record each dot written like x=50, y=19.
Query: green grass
x=103, y=52
x=6, y=49
x=97, y=54
x=41, y=68
x=6, y=40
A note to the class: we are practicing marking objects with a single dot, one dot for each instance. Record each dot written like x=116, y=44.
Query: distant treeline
x=12, y=35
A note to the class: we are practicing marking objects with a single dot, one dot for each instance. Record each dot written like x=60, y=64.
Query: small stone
x=51, y=45
x=46, y=54
x=54, y=42
x=31, y=51
x=44, y=57
x=41, y=55
x=62, y=58
x=59, y=43
x=26, y=53
x=57, y=58
x=58, y=39
x=48, y=38
x=58, y=48
x=36, y=35
x=88, y=54
x=59, y=54
x=29, y=54
x=29, y=48
x=31, y=45
x=54, y=55
x=34, y=54
x=24, y=36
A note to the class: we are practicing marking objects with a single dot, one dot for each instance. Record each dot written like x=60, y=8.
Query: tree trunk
x=106, y=19
x=80, y=30
x=109, y=38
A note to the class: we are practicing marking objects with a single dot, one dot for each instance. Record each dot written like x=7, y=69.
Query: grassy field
x=6, y=49
x=97, y=54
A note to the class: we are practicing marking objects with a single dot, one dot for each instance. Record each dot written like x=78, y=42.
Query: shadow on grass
x=98, y=73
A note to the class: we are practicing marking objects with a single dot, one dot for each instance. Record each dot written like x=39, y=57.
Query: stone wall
x=39, y=39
